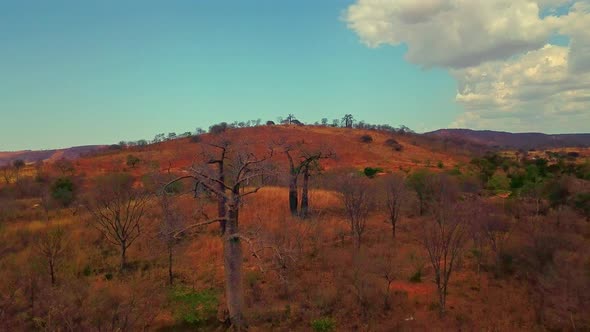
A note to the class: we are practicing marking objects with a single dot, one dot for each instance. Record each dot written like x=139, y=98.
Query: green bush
x=370, y=172
x=62, y=191
x=416, y=277
x=194, y=307
x=324, y=324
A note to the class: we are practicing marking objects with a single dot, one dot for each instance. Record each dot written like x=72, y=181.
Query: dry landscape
x=297, y=228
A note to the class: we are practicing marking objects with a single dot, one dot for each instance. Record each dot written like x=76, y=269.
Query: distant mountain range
x=505, y=140
x=30, y=156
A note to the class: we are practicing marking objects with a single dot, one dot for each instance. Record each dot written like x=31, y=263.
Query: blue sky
x=94, y=72
x=81, y=72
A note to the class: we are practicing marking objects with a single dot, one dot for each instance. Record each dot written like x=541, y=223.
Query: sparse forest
x=341, y=226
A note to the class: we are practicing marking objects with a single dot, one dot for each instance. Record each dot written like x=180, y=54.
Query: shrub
x=392, y=143
x=62, y=191
x=440, y=164
x=367, y=139
x=370, y=172
x=417, y=276
x=218, y=128
x=324, y=324
x=194, y=307
x=132, y=160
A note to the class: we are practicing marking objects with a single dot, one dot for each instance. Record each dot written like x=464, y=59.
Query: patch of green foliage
x=371, y=172
x=324, y=324
x=194, y=308
x=62, y=191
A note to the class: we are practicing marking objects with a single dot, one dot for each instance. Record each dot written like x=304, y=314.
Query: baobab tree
x=395, y=196
x=117, y=208
x=444, y=234
x=347, y=120
x=302, y=161
x=239, y=173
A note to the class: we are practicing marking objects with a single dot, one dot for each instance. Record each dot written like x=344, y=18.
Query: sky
x=97, y=72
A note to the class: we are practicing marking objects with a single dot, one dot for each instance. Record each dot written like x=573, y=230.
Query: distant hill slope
x=30, y=156
x=526, y=141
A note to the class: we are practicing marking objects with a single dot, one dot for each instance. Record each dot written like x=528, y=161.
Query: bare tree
x=117, y=208
x=65, y=166
x=444, y=235
x=395, y=191
x=244, y=173
x=358, y=202
x=171, y=223
x=52, y=245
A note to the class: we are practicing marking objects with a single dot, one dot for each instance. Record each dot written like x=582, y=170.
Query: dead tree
x=243, y=174
x=117, y=208
x=444, y=234
x=395, y=191
x=358, y=202
x=52, y=245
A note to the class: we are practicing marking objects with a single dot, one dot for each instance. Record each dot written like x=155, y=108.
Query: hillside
x=508, y=140
x=30, y=156
x=345, y=144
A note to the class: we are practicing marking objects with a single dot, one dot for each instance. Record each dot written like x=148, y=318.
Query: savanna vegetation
x=337, y=226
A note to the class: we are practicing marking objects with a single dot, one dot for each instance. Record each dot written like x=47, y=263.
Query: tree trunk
x=305, y=194
x=221, y=202
x=293, y=193
x=52, y=272
x=393, y=224
x=123, y=256
x=232, y=259
x=170, y=274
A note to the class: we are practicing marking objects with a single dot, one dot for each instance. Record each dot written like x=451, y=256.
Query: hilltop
x=506, y=140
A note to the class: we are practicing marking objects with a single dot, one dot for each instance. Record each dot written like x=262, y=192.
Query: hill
x=506, y=140
x=346, y=144
x=30, y=156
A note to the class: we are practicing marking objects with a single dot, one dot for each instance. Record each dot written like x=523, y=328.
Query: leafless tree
x=358, y=200
x=395, y=191
x=117, y=207
x=65, y=166
x=170, y=224
x=444, y=235
x=243, y=173
x=52, y=245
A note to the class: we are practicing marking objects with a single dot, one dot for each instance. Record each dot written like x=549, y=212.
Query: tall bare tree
x=117, y=207
x=244, y=173
x=171, y=223
x=395, y=196
x=444, y=234
x=52, y=245
x=358, y=201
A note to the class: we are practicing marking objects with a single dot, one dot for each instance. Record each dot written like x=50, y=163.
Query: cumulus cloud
x=507, y=74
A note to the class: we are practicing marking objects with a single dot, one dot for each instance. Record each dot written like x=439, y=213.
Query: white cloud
x=508, y=76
